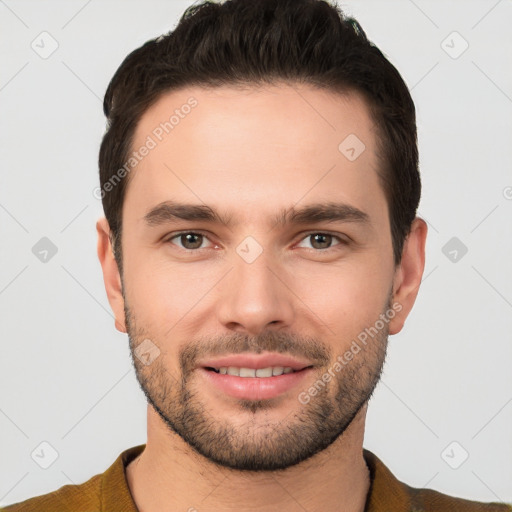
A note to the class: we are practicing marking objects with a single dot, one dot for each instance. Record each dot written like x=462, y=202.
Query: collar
x=385, y=491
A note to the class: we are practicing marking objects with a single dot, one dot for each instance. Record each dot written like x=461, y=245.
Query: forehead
x=256, y=147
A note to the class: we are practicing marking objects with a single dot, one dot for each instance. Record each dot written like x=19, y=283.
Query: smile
x=251, y=383
x=270, y=371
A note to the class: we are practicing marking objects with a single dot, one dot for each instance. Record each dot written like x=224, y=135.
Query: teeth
x=263, y=372
x=245, y=372
x=251, y=372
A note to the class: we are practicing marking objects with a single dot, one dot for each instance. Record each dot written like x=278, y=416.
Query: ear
x=111, y=276
x=407, y=279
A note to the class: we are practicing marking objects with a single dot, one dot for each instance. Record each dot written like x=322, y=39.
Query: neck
x=170, y=474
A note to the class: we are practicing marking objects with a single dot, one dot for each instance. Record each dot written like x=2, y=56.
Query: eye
x=190, y=240
x=323, y=241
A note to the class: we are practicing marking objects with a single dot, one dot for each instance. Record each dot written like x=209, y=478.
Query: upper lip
x=255, y=361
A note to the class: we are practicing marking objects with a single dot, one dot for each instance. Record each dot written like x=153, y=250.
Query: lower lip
x=255, y=388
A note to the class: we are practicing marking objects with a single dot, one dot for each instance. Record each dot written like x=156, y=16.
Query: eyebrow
x=171, y=211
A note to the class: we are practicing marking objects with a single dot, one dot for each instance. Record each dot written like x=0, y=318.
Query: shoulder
x=428, y=500
x=106, y=491
x=388, y=493
x=69, y=498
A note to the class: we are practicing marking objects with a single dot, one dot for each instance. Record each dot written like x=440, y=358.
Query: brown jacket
x=109, y=492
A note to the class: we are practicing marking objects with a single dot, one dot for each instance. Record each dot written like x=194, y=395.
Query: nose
x=255, y=297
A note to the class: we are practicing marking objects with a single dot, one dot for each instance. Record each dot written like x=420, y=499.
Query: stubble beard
x=261, y=443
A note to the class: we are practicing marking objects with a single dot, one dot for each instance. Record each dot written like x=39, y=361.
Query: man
x=259, y=177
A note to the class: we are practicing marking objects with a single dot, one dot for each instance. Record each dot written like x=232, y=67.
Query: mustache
x=282, y=343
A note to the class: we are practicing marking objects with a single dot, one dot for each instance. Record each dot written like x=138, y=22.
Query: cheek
x=161, y=293
x=347, y=297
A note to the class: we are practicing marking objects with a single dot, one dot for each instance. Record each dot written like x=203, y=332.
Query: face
x=292, y=259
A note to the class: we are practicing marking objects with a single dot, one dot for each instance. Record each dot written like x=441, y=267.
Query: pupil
x=319, y=235
x=187, y=237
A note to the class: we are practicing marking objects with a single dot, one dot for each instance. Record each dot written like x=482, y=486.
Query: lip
x=256, y=362
x=253, y=388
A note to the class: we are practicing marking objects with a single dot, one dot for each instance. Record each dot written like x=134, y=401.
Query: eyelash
x=342, y=242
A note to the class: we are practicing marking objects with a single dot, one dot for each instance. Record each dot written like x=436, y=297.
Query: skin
x=249, y=154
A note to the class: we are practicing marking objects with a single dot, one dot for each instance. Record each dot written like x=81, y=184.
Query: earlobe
x=408, y=275
x=111, y=276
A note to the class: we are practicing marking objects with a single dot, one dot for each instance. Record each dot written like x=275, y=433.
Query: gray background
x=66, y=375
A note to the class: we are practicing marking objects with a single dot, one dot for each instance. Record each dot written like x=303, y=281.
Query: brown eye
x=189, y=240
x=323, y=241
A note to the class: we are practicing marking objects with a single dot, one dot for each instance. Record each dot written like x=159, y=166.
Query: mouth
x=269, y=371
x=268, y=364
x=254, y=376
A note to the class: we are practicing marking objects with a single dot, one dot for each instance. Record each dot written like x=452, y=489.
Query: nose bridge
x=254, y=295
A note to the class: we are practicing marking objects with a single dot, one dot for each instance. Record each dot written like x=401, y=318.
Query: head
x=259, y=177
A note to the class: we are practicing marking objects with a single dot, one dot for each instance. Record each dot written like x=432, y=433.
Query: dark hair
x=257, y=42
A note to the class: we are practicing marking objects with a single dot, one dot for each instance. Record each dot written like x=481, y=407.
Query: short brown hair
x=256, y=42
